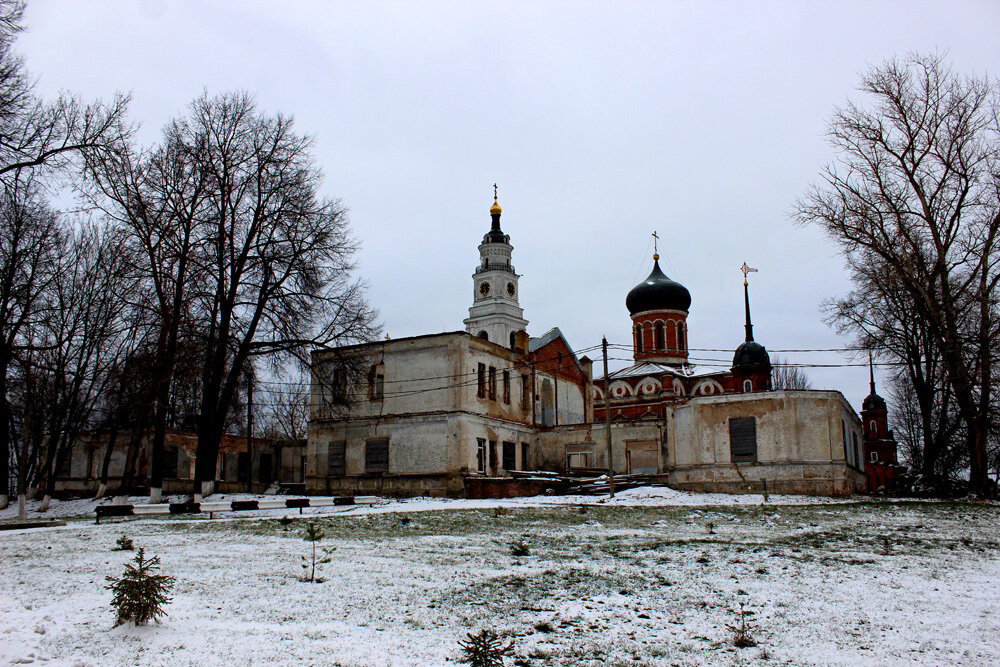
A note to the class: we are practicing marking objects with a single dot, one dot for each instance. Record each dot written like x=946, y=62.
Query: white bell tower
x=495, y=314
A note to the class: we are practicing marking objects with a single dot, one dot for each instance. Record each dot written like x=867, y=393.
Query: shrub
x=485, y=649
x=124, y=544
x=139, y=595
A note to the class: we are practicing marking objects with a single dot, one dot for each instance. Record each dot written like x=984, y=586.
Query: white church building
x=454, y=413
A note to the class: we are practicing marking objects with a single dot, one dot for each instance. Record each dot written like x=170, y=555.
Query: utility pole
x=607, y=419
x=250, y=435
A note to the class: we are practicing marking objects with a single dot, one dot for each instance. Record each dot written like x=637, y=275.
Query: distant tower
x=659, y=309
x=495, y=314
x=751, y=363
x=881, y=462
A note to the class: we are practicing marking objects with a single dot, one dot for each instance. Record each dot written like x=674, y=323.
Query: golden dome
x=495, y=209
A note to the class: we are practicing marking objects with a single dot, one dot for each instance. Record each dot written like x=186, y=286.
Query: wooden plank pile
x=589, y=481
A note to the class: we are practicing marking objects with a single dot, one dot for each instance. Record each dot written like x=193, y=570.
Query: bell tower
x=495, y=314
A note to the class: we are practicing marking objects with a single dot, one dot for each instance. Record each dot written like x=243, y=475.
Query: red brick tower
x=881, y=463
x=659, y=309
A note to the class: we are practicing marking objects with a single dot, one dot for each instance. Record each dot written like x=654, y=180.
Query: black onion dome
x=658, y=292
x=751, y=353
x=873, y=402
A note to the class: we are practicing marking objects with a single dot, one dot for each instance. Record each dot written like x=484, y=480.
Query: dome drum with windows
x=659, y=307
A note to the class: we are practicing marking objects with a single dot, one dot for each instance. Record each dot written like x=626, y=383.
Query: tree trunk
x=5, y=419
x=128, y=472
x=102, y=487
x=210, y=428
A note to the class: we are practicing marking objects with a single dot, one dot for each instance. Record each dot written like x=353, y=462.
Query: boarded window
x=377, y=455
x=264, y=469
x=65, y=463
x=506, y=386
x=493, y=457
x=509, y=456
x=481, y=378
x=481, y=454
x=336, y=459
x=525, y=390
x=743, y=439
x=524, y=456
x=493, y=383
x=242, y=466
x=170, y=461
x=857, y=450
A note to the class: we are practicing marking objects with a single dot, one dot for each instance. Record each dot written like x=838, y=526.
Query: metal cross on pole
x=656, y=238
x=746, y=269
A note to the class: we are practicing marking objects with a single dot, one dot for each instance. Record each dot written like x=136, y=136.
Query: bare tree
x=788, y=376
x=285, y=414
x=885, y=320
x=277, y=259
x=37, y=140
x=85, y=334
x=30, y=238
x=159, y=198
x=915, y=185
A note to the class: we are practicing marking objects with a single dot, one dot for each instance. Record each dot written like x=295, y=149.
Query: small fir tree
x=124, y=543
x=519, y=548
x=314, y=534
x=485, y=649
x=140, y=594
x=743, y=630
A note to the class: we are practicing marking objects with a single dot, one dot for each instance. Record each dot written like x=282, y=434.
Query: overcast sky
x=600, y=122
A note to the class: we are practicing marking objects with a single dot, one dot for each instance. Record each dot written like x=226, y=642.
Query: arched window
x=638, y=337
x=747, y=386
x=513, y=341
x=672, y=336
x=682, y=332
x=871, y=426
x=660, y=344
x=484, y=335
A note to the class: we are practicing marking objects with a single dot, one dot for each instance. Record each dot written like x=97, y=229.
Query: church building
x=440, y=414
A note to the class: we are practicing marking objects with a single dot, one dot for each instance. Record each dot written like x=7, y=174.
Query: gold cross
x=494, y=192
x=655, y=239
x=746, y=269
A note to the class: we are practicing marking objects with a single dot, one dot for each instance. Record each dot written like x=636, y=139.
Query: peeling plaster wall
x=799, y=443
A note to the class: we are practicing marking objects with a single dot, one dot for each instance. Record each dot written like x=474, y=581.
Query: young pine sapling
x=140, y=594
x=485, y=649
x=314, y=534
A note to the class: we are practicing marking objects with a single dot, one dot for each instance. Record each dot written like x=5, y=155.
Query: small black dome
x=751, y=353
x=657, y=292
x=873, y=402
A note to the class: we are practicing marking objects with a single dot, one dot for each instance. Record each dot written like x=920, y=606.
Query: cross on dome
x=746, y=269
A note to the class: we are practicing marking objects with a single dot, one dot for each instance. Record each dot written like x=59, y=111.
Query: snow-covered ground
x=652, y=577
